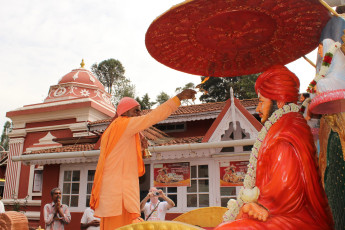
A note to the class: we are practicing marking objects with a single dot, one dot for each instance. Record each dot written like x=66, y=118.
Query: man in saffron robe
x=291, y=195
x=115, y=192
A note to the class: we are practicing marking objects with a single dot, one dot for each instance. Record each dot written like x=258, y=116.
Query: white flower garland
x=306, y=102
x=326, y=63
x=249, y=192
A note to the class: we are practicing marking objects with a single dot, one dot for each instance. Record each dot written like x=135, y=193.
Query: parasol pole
x=310, y=62
x=329, y=8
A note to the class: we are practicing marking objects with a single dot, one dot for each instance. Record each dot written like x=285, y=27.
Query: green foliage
x=108, y=72
x=162, y=97
x=4, y=137
x=189, y=85
x=122, y=88
x=111, y=74
x=17, y=205
x=218, y=88
x=145, y=102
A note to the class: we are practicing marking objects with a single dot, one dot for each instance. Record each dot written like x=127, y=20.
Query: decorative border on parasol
x=236, y=37
x=328, y=102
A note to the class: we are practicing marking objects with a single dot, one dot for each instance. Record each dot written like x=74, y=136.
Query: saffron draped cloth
x=109, y=139
x=289, y=182
x=115, y=192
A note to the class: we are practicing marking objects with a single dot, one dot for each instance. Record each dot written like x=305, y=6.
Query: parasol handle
x=329, y=8
x=310, y=62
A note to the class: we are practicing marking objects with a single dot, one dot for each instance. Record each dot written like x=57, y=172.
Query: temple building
x=199, y=153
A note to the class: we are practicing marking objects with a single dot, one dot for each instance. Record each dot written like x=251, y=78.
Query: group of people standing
x=57, y=215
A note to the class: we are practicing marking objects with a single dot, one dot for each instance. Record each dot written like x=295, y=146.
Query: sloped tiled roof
x=192, y=109
x=152, y=133
x=155, y=135
x=206, y=107
x=250, y=102
x=89, y=147
x=67, y=148
x=188, y=109
x=184, y=140
x=101, y=121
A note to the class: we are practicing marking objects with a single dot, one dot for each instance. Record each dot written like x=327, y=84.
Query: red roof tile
x=68, y=148
x=250, y=102
x=199, y=108
x=89, y=147
x=101, y=121
x=183, y=140
x=154, y=134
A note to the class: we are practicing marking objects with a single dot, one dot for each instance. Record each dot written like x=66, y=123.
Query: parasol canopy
x=329, y=102
x=225, y=38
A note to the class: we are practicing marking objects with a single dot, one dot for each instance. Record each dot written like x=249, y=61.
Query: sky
x=42, y=40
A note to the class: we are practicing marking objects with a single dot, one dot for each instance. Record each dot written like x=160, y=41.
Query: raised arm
x=144, y=201
x=170, y=202
x=162, y=112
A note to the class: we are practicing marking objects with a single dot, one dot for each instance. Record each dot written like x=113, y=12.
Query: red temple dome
x=79, y=83
x=82, y=76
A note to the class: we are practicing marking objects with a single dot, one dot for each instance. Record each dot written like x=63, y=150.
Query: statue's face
x=264, y=108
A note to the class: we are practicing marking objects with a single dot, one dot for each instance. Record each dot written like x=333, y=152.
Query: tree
x=145, y=102
x=4, y=137
x=108, y=72
x=162, y=97
x=122, y=88
x=189, y=85
x=218, y=88
x=111, y=74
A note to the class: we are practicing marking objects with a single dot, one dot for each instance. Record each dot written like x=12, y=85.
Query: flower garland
x=326, y=63
x=249, y=192
x=304, y=104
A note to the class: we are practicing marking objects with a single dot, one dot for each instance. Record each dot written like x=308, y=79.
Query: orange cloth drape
x=114, y=222
x=119, y=181
x=109, y=140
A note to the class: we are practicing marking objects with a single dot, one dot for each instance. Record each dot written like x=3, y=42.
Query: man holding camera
x=155, y=209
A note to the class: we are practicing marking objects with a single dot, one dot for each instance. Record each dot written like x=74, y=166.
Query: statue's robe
x=289, y=182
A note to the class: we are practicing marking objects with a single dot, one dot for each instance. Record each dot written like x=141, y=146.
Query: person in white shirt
x=155, y=209
x=88, y=221
x=2, y=207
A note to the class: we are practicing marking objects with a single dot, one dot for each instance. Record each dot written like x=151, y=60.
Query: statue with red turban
x=290, y=193
x=115, y=192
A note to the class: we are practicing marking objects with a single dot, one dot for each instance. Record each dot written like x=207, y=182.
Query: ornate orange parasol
x=225, y=38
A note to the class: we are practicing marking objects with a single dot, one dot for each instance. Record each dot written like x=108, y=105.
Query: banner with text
x=232, y=173
x=171, y=174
